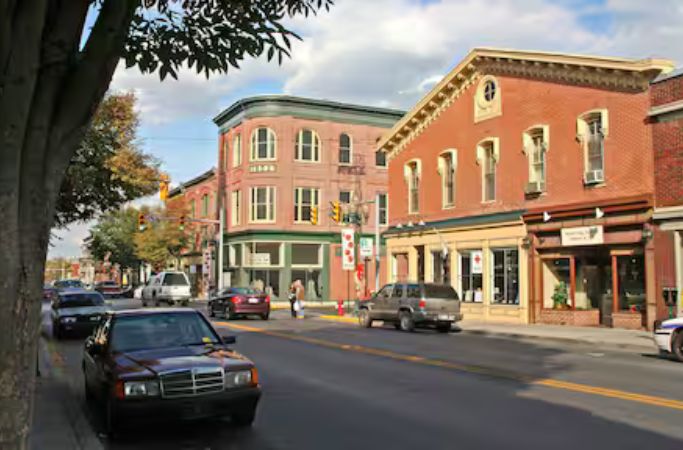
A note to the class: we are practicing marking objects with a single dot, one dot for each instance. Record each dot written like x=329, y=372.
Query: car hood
x=83, y=311
x=153, y=362
x=672, y=323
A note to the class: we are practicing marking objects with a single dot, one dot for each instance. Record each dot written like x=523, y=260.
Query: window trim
x=443, y=172
x=528, y=150
x=271, y=145
x=481, y=160
x=407, y=173
x=350, y=163
x=299, y=206
x=271, y=198
x=316, y=149
x=582, y=134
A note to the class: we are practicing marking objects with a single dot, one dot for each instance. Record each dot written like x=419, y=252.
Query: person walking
x=292, y=298
x=300, y=296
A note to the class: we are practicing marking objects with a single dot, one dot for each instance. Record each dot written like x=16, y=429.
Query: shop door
x=401, y=261
x=420, y=262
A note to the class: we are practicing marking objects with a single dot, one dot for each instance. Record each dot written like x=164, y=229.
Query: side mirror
x=229, y=339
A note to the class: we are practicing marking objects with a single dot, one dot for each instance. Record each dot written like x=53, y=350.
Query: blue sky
x=384, y=53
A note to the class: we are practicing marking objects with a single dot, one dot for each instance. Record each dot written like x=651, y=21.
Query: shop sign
x=592, y=235
x=348, y=249
x=477, y=262
x=259, y=259
x=366, y=247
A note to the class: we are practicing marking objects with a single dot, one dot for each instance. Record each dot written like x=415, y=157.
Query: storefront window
x=265, y=280
x=505, y=276
x=471, y=282
x=631, y=271
x=312, y=281
x=262, y=254
x=235, y=255
x=306, y=255
x=440, y=268
x=556, y=277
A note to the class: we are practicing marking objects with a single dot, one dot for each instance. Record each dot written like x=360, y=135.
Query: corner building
x=528, y=174
x=279, y=156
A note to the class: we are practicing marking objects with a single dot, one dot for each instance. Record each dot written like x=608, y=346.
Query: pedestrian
x=300, y=295
x=292, y=298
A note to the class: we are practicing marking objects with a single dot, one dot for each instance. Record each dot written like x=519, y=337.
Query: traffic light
x=182, y=222
x=314, y=215
x=336, y=211
x=142, y=222
x=163, y=187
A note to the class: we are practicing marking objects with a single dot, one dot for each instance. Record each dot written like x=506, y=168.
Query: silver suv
x=410, y=305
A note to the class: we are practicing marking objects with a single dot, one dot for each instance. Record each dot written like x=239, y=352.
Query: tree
x=53, y=75
x=162, y=241
x=108, y=170
x=113, y=235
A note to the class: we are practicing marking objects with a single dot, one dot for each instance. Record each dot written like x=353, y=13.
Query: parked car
x=234, y=302
x=76, y=310
x=166, y=364
x=167, y=287
x=109, y=288
x=68, y=284
x=668, y=335
x=410, y=305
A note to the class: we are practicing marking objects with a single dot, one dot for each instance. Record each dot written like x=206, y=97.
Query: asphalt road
x=335, y=386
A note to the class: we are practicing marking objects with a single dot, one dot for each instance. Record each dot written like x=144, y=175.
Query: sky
x=383, y=53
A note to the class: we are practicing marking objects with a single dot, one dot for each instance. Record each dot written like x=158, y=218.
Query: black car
x=76, y=311
x=166, y=364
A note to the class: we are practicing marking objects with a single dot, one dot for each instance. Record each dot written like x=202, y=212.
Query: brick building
x=666, y=115
x=527, y=174
x=279, y=156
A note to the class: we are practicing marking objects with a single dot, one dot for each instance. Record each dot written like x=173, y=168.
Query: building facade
x=529, y=187
x=666, y=115
x=280, y=157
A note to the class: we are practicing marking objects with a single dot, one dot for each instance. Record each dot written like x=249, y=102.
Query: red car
x=240, y=301
x=108, y=288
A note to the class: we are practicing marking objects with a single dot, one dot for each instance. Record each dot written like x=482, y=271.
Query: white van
x=167, y=287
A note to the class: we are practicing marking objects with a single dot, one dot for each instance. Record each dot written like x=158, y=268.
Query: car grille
x=189, y=383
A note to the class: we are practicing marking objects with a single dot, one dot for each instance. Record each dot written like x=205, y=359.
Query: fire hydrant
x=340, y=307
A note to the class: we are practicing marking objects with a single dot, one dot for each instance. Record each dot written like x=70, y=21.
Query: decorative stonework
x=261, y=168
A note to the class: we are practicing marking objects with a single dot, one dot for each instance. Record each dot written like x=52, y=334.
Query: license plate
x=446, y=317
x=253, y=300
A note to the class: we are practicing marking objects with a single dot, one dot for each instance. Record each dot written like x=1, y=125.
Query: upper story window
x=535, y=147
x=263, y=144
x=591, y=133
x=345, y=148
x=380, y=158
x=487, y=99
x=226, y=150
x=262, y=204
x=488, y=153
x=193, y=208
x=307, y=146
x=235, y=207
x=383, y=209
x=345, y=197
x=205, y=205
x=304, y=199
x=236, y=150
x=447, y=166
x=411, y=171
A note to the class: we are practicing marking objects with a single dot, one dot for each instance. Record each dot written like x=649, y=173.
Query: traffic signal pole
x=221, y=251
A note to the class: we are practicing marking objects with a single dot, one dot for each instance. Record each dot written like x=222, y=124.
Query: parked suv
x=410, y=305
x=167, y=287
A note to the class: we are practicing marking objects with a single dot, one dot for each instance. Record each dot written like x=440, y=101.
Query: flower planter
x=577, y=318
x=627, y=319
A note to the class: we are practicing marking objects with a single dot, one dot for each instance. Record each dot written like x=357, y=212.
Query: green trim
x=278, y=235
x=305, y=108
x=507, y=216
x=326, y=272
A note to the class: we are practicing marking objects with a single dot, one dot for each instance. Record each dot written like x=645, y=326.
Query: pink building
x=279, y=157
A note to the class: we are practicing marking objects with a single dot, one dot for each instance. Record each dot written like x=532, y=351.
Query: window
x=262, y=144
x=594, y=154
x=591, y=132
x=262, y=254
x=235, y=207
x=344, y=149
x=307, y=146
x=236, y=150
x=535, y=147
x=307, y=255
x=398, y=291
x=487, y=102
x=380, y=158
x=447, y=166
x=412, y=174
x=304, y=198
x=489, y=90
x=487, y=156
x=193, y=208
x=345, y=197
x=205, y=205
x=262, y=201
x=226, y=150
x=383, y=207
x=471, y=282
x=505, y=275
x=440, y=269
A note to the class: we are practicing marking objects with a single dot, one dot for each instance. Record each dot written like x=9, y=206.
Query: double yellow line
x=473, y=369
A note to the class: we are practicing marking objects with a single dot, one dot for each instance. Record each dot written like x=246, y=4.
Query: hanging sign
x=582, y=236
x=366, y=247
x=477, y=262
x=348, y=249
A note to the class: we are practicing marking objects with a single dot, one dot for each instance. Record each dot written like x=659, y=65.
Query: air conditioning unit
x=594, y=176
x=534, y=187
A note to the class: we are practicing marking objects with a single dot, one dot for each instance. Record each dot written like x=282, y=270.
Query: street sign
x=365, y=247
x=348, y=246
x=592, y=235
x=259, y=259
x=477, y=262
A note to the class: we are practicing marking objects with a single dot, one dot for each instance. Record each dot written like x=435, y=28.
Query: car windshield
x=175, y=279
x=440, y=291
x=68, y=284
x=244, y=291
x=80, y=300
x=151, y=331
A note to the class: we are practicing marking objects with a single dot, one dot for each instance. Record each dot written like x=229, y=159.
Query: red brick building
x=533, y=174
x=666, y=113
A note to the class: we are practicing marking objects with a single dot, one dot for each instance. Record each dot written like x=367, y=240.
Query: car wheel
x=364, y=319
x=244, y=418
x=443, y=327
x=677, y=346
x=227, y=314
x=156, y=300
x=212, y=313
x=406, y=322
x=144, y=303
x=184, y=303
x=265, y=316
x=397, y=325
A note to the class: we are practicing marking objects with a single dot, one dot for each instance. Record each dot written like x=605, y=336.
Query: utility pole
x=221, y=251
x=377, y=246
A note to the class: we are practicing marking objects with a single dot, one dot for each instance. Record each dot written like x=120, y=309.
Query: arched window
x=345, y=148
x=307, y=146
x=263, y=143
x=411, y=171
x=591, y=132
x=488, y=153
x=237, y=150
x=448, y=163
x=535, y=147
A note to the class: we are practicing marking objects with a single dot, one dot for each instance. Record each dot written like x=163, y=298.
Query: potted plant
x=560, y=296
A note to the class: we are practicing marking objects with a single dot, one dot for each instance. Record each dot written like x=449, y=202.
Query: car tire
x=244, y=418
x=397, y=325
x=406, y=322
x=364, y=319
x=227, y=315
x=443, y=327
x=184, y=303
x=144, y=303
x=677, y=346
x=155, y=300
x=265, y=316
x=212, y=313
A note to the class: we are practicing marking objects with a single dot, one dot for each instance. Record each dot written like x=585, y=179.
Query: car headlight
x=141, y=388
x=68, y=319
x=238, y=378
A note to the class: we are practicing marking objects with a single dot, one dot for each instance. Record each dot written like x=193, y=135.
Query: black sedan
x=166, y=364
x=76, y=311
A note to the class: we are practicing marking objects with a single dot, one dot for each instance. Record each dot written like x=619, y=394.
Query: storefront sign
x=348, y=249
x=592, y=235
x=477, y=262
x=259, y=259
x=366, y=247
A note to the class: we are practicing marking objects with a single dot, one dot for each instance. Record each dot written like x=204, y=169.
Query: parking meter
x=669, y=296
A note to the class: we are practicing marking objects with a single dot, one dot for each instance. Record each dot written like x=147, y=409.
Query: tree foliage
x=113, y=235
x=162, y=241
x=108, y=169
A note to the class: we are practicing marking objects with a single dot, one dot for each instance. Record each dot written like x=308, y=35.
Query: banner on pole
x=348, y=249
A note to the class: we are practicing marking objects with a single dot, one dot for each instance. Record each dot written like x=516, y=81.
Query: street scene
x=318, y=224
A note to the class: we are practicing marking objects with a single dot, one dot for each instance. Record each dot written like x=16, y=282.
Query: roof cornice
x=605, y=72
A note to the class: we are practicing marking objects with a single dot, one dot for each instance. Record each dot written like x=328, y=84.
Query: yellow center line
x=473, y=369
